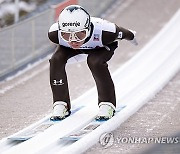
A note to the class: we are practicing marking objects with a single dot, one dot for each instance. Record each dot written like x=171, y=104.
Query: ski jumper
x=98, y=48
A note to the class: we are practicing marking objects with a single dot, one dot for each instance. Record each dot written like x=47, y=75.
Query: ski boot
x=106, y=111
x=60, y=111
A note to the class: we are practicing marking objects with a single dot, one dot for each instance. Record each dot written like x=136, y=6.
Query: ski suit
x=98, y=48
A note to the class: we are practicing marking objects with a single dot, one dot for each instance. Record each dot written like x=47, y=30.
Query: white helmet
x=74, y=18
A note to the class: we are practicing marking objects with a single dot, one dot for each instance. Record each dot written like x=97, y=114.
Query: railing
x=24, y=42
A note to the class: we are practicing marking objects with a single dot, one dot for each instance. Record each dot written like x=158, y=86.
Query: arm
x=127, y=34
x=120, y=33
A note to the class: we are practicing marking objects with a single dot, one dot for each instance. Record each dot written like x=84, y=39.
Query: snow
x=141, y=78
x=25, y=78
x=11, y=8
x=147, y=82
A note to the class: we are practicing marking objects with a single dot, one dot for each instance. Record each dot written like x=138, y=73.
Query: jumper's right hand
x=134, y=40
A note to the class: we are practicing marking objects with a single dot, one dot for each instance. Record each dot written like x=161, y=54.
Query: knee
x=95, y=62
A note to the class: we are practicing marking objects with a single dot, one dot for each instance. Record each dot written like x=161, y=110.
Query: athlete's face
x=75, y=39
x=75, y=45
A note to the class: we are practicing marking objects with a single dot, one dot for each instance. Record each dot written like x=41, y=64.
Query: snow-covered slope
x=136, y=82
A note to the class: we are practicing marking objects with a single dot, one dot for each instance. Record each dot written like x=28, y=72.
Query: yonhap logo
x=106, y=140
x=76, y=24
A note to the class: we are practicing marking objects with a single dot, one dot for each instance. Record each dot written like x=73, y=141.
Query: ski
x=74, y=136
x=92, y=125
x=40, y=127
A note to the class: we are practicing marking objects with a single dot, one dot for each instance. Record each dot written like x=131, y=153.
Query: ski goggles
x=76, y=36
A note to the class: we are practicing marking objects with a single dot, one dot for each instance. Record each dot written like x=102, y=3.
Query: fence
x=23, y=42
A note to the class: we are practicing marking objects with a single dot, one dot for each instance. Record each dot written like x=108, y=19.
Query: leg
x=97, y=62
x=58, y=77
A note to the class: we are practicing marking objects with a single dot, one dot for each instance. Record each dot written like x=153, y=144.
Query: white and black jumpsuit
x=98, y=48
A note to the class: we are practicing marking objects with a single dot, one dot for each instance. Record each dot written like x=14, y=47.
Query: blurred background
x=23, y=29
x=23, y=40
